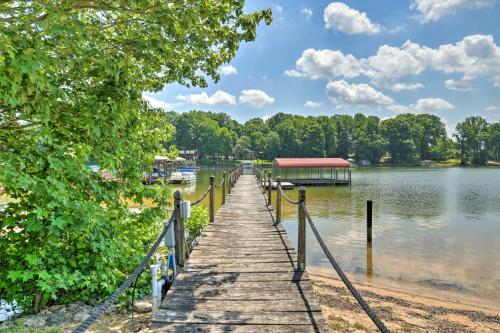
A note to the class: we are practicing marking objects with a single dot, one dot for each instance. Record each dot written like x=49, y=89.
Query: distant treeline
x=405, y=138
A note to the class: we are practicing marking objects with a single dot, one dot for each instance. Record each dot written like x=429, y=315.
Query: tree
x=433, y=130
x=329, y=129
x=243, y=147
x=398, y=133
x=312, y=140
x=226, y=142
x=288, y=138
x=368, y=143
x=494, y=141
x=472, y=138
x=344, y=126
x=272, y=145
x=72, y=74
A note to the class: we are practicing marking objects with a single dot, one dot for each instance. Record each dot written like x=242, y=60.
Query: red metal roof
x=311, y=163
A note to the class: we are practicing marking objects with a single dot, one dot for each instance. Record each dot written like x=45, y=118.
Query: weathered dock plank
x=242, y=276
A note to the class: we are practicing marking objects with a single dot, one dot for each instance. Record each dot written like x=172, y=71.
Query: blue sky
x=377, y=57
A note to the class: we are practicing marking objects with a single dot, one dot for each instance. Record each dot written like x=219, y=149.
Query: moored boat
x=182, y=177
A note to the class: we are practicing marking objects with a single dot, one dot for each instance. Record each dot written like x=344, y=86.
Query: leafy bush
x=72, y=78
x=196, y=223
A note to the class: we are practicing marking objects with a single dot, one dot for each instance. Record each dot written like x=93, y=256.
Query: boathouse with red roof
x=313, y=171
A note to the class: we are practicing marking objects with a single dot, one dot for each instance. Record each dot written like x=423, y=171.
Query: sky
x=380, y=58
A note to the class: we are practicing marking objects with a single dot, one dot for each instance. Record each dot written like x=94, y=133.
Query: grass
x=20, y=329
x=338, y=324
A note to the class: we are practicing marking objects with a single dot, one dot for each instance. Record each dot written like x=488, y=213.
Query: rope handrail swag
x=202, y=197
x=220, y=185
x=380, y=325
x=104, y=306
x=286, y=197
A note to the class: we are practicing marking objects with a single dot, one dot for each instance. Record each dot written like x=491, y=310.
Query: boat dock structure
x=312, y=171
x=243, y=274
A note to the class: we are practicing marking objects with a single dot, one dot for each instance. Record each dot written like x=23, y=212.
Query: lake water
x=434, y=227
x=437, y=227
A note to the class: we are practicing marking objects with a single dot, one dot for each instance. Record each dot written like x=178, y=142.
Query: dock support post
x=369, y=208
x=224, y=176
x=301, y=248
x=269, y=189
x=350, y=177
x=369, y=262
x=278, y=200
x=212, y=197
x=230, y=183
x=180, y=250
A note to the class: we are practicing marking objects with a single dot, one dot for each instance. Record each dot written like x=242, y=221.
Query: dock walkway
x=242, y=276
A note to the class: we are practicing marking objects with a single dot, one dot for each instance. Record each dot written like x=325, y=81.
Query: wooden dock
x=242, y=276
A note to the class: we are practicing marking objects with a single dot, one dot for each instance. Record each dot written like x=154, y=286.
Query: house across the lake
x=313, y=171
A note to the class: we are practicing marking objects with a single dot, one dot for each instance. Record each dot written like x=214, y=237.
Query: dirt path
x=400, y=311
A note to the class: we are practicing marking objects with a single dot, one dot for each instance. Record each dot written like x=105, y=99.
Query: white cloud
x=327, y=64
x=312, y=104
x=343, y=93
x=391, y=63
x=156, y=103
x=493, y=109
x=307, y=12
x=218, y=98
x=339, y=16
x=432, y=105
x=278, y=8
x=406, y=86
x=228, y=70
x=255, y=98
x=474, y=56
x=293, y=73
x=460, y=85
x=432, y=10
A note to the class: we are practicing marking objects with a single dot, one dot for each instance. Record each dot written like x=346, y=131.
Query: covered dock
x=313, y=171
x=163, y=166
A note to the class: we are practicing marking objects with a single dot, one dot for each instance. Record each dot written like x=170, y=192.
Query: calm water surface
x=431, y=226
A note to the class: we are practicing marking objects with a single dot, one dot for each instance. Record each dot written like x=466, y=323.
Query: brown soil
x=402, y=311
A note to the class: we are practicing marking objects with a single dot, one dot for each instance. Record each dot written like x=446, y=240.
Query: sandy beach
x=408, y=309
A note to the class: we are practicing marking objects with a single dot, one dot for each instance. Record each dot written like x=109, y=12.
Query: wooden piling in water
x=369, y=208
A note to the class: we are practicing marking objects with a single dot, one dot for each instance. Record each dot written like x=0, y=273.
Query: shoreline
x=409, y=308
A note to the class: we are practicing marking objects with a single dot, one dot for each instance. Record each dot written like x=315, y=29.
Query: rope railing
x=286, y=197
x=194, y=203
x=380, y=325
x=220, y=184
x=105, y=306
x=180, y=253
x=301, y=248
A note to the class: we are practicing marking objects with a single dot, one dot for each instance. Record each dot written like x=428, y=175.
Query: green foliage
x=472, y=139
x=407, y=138
x=72, y=75
x=243, y=146
x=196, y=223
x=20, y=329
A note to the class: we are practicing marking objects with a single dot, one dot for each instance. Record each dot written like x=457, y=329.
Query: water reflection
x=437, y=227
x=432, y=226
x=369, y=262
